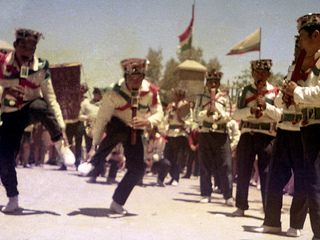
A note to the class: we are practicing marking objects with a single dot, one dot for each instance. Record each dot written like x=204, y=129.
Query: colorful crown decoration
x=213, y=74
x=261, y=64
x=308, y=20
x=134, y=65
x=28, y=34
x=179, y=91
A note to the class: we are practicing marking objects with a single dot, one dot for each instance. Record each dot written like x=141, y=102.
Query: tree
x=168, y=82
x=213, y=64
x=246, y=78
x=194, y=54
x=153, y=73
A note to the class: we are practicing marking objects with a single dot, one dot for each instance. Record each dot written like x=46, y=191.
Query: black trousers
x=287, y=154
x=311, y=150
x=215, y=157
x=77, y=131
x=12, y=129
x=118, y=132
x=250, y=145
x=162, y=167
x=174, y=151
x=193, y=156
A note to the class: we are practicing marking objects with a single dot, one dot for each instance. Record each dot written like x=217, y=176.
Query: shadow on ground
x=99, y=212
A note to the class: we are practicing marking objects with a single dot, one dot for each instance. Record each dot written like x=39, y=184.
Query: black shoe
x=62, y=168
x=186, y=176
x=170, y=182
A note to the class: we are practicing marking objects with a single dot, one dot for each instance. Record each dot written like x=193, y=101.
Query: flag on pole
x=249, y=44
x=185, y=39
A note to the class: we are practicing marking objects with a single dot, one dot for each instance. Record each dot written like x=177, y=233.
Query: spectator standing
x=193, y=159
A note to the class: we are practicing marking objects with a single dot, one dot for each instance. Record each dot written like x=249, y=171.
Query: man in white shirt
x=132, y=94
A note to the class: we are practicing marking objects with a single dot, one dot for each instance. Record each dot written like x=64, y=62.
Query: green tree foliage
x=153, y=73
x=212, y=64
x=168, y=82
x=194, y=54
x=246, y=78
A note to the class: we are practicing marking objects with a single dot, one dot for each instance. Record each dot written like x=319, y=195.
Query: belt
x=289, y=117
x=310, y=113
x=175, y=126
x=260, y=126
x=214, y=126
x=10, y=102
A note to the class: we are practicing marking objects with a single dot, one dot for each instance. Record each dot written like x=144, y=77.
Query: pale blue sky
x=100, y=33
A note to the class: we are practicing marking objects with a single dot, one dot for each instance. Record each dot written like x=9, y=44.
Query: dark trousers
x=162, y=167
x=12, y=129
x=215, y=157
x=311, y=150
x=193, y=157
x=113, y=169
x=118, y=132
x=77, y=131
x=88, y=141
x=174, y=151
x=250, y=145
x=287, y=154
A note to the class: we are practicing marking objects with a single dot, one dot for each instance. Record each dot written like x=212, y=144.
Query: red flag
x=185, y=39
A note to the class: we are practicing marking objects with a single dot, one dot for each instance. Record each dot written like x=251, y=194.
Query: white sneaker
x=117, y=208
x=238, y=213
x=267, y=229
x=175, y=183
x=205, y=199
x=230, y=202
x=85, y=168
x=12, y=205
x=65, y=153
x=293, y=232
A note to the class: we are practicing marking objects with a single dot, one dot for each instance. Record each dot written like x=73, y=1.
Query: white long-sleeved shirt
x=39, y=78
x=246, y=100
x=223, y=105
x=234, y=133
x=174, y=127
x=113, y=104
x=88, y=109
x=308, y=94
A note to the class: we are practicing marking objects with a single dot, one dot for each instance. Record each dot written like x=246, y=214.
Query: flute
x=134, y=108
x=212, y=99
x=259, y=93
x=24, y=72
x=296, y=72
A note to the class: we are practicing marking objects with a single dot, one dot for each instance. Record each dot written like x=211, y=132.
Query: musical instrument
x=212, y=99
x=184, y=110
x=134, y=107
x=296, y=72
x=259, y=93
x=24, y=72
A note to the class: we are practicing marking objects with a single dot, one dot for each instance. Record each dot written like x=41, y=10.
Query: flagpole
x=260, y=46
x=193, y=7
